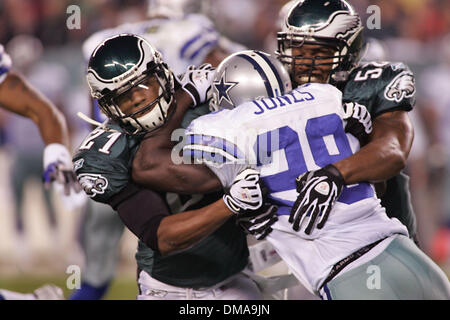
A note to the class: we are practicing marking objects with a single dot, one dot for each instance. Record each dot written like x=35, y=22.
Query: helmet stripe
x=265, y=72
x=274, y=70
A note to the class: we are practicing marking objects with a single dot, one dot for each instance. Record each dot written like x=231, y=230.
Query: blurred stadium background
x=39, y=232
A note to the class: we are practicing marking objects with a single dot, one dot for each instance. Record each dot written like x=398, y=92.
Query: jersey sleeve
x=5, y=64
x=198, y=38
x=104, y=169
x=382, y=87
x=206, y=143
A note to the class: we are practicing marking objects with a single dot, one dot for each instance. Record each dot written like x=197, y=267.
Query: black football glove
x=318, y=191
x=259, y=224
x=358, y=121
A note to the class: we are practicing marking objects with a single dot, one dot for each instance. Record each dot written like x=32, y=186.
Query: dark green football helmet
x=332, y=24
x=121, y=65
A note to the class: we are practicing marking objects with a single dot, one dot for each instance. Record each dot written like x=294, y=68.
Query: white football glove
x=58, y=168
x=245, y=193
x=358, y=121
x=197, y=82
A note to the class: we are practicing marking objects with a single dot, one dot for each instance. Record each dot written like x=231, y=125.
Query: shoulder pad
x=103, y=161
x=381, y=87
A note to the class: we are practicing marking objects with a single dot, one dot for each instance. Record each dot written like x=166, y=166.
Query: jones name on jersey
x=310, y=131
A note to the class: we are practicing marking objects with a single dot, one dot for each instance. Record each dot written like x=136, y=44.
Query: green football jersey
x=103, y=161
x=384, y=87
x=103, y=166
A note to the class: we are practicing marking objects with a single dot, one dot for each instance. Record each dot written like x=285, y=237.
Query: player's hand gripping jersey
x=103, y=167
x=384, y=87
x=285, y=137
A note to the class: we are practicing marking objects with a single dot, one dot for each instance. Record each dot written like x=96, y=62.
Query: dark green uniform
x=383, y=87
x=103, y=167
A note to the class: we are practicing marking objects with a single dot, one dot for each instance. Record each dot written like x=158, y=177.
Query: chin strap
x=85, y=118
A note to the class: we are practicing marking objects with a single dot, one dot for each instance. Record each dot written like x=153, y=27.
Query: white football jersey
x=5, y=63
x=182, y=41
x=284, y=137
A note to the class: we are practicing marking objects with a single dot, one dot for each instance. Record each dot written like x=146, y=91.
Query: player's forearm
x=375, y=162
x=180, y=231
x=21, y=98
x=162, y=174
x=385, y=155
x=52, y=124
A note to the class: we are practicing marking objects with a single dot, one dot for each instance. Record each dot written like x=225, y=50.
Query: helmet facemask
x=332, y=25
x=142, y=104
x=305, y=68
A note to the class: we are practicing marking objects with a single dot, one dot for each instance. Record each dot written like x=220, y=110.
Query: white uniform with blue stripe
x=5, y=64
x=284, y=137
x=182, y=41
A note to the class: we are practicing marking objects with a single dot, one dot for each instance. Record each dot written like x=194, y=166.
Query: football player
x=321, y=41
x=290, y=135
x=196, y=254
x=300, y=133
x=184, y=38
x=18, y=96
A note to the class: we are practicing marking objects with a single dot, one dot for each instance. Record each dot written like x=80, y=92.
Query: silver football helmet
x=245, y=76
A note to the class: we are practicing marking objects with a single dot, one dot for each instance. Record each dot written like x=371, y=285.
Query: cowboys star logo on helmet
x=223, y=87
x=93, y=184
x=264, y=76
x=403, y=86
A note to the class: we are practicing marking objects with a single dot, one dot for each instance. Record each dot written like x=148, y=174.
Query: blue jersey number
x=329, y=126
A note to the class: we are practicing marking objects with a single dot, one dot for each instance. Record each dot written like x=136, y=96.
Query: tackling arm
x=386, y=153
x=18, y=96
x=153, y=167
x=146, y=214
